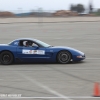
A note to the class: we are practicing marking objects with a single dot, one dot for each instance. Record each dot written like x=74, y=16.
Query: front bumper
x=79, y=57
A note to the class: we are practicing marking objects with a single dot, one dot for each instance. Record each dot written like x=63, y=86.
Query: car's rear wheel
x=63, y=57
x=6, y=58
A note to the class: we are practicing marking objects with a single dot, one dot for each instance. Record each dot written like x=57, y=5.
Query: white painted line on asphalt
x=84, y=97
x=58, y=38
x=62, y=38
x=71, y=97
x=55, y=38
x=44, y=87
x=93, y=58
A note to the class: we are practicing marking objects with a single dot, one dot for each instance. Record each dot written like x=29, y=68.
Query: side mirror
x=36, y=46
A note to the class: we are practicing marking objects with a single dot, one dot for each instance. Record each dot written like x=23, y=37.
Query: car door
x=33, y=54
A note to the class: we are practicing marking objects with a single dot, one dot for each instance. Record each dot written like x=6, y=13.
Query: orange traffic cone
x=96, y=90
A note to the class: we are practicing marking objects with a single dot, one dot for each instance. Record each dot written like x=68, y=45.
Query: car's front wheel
x=6, y=58
x=63, y=57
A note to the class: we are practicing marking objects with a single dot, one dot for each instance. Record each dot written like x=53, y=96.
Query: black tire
x=6, y=58
x=64, y=57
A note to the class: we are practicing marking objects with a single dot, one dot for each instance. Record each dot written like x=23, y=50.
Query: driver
x=26, y=44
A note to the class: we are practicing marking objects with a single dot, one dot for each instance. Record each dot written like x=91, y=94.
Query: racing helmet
x=25, y=43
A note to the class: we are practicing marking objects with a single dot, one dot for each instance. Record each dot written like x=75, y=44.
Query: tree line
x=80, y=8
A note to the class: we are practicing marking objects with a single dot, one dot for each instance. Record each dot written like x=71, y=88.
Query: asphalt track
x=74, y=81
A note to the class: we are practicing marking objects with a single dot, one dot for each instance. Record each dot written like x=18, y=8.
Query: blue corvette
x=33, y=50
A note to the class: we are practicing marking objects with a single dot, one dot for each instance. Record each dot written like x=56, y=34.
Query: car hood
x=68, y=48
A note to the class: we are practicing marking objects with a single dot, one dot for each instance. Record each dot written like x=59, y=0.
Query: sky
x=47, y=5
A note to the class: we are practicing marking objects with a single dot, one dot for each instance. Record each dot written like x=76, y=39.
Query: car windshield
x=14, y=42
x=42, y=43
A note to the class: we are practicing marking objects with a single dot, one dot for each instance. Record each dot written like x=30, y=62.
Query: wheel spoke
x=64, y=57
x=6, y=58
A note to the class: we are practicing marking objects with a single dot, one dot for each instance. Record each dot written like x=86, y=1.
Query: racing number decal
x=42, y=52
x=30, y=52
x=34, y=51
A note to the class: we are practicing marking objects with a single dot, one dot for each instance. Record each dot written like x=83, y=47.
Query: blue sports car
x=33, y=50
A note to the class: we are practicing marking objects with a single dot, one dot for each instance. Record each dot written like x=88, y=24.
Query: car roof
x=19, y=39
x=25, y=39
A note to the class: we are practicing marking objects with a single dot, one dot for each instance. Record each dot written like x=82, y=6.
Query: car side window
x=20, y=43
x=34, y=45
x=23, y=43
x=27, y=43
